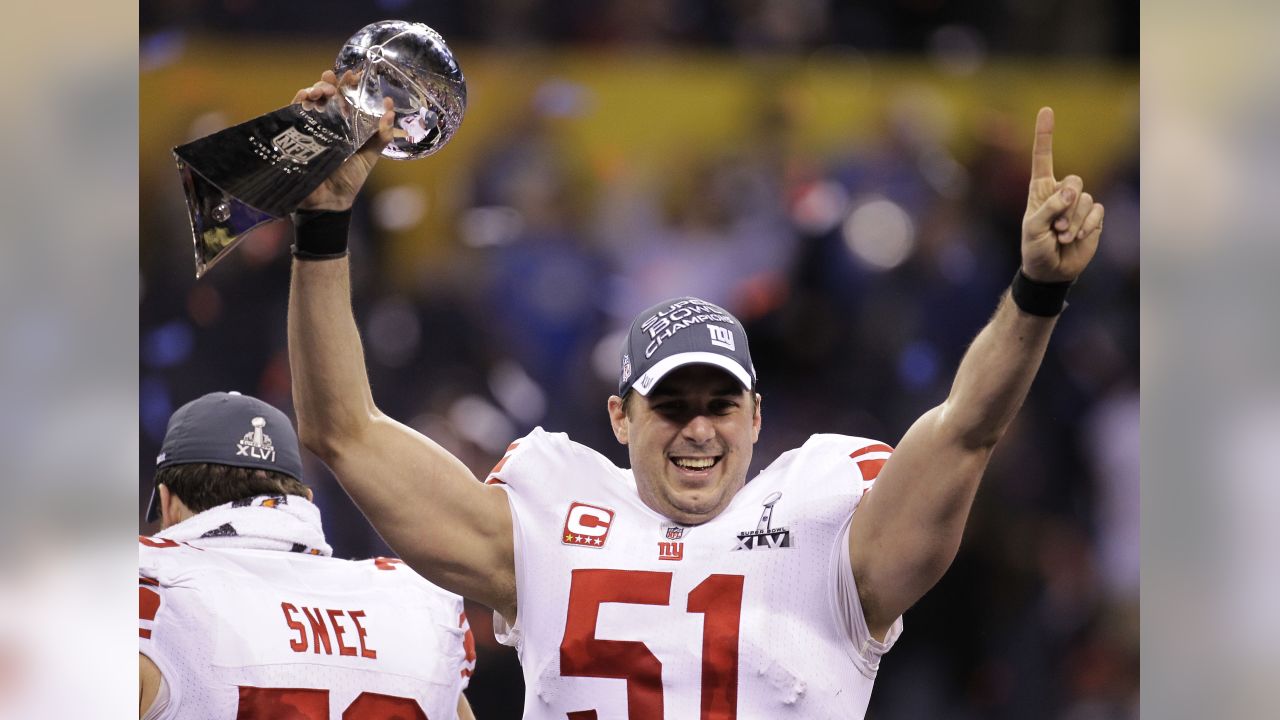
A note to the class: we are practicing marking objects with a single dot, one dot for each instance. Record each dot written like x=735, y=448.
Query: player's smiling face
x=690, y=441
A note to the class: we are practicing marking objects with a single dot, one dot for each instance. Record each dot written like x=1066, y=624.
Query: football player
x=243, y=611
x=675, y=588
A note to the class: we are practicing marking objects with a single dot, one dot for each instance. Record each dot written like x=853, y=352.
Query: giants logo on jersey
x=586, y=525
x=670, y=551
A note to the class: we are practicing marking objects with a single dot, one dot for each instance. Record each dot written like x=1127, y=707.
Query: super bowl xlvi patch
x=765, y=536
x=256, y=443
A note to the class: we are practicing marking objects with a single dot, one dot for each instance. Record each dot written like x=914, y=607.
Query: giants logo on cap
x=586, y=525
x=721, y=336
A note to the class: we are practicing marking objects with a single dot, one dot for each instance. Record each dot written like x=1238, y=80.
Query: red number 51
x=719, y=598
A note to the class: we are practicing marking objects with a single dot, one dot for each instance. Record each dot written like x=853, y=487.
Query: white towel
x=266, y=522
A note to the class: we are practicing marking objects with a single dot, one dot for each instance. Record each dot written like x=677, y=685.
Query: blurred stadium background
x=848, y=179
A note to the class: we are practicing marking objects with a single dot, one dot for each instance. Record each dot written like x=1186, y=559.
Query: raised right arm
x=424, y=502
x=451, y=528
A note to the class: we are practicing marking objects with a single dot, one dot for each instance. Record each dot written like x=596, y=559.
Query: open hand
x=339, y=190
x=1061, y=227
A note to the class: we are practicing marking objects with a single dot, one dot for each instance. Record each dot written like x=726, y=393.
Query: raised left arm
x=906, y=533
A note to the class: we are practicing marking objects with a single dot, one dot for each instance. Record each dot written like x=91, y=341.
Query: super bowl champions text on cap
x=683, y=314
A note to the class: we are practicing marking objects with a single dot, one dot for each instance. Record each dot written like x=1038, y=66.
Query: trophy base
x=218, y=221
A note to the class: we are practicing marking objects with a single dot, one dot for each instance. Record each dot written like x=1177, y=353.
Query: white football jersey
x=243, y=633
x=626, y=615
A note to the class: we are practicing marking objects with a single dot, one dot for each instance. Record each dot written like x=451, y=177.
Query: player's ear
x=756, y=419
x=618, y=419
x=310, y=495
x=162, y=497
x=172, y=509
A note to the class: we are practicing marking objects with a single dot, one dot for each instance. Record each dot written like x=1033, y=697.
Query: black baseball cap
x=683, y=331
x=227, y=428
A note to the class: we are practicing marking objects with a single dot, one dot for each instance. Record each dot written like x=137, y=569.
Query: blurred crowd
x=861, y=277
x=1029, y=28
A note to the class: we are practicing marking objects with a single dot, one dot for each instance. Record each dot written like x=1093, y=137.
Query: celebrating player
x=675, y=588
x=242, y=611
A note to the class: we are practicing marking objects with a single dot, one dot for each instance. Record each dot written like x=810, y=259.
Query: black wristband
x=1039, y=298
x=320, y=234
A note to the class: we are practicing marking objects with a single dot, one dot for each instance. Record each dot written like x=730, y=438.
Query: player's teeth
x=696, y=463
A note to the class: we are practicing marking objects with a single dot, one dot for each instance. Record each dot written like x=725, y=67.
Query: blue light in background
x=918, y=365
x=168, y=345
x=161, y=48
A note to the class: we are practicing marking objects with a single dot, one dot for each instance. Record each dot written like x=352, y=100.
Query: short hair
x=202, y=486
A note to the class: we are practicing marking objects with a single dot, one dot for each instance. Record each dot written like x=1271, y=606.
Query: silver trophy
x=259, y=171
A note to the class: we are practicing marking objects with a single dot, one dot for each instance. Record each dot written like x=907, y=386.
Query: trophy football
x=259, y=171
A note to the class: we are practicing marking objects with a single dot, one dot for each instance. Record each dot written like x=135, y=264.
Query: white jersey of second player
x=241, y=633
x=626, y=615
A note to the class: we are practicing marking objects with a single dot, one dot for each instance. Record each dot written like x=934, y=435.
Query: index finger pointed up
x=1042, y=152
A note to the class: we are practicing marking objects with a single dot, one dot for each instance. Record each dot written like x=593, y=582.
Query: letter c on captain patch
x=586, y=525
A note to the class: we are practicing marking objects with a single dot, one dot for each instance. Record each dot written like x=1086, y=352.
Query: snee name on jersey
x=320, y=621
